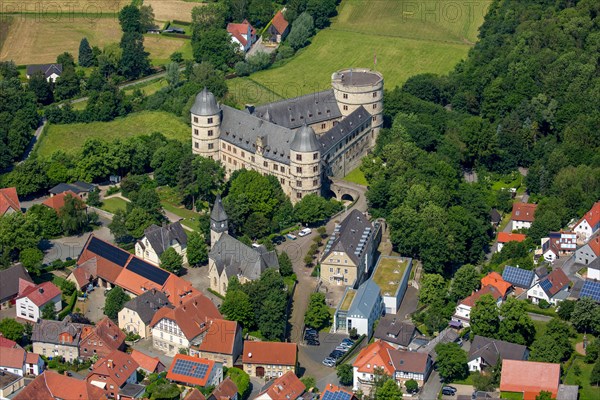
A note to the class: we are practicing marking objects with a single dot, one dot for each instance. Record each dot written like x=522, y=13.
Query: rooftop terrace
x=388, y=274
x=347, y=300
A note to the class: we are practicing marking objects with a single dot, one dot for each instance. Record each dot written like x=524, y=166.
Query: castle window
x=224, y=146
x=316, y=182
x=252, y=158
x=298, y=157
x=196, y=145
x=345, y=108
x=323, y=126
x=234, y=150
x=299, y=195
x=210, y=121
x=374, y=118
x=316, y=168
x=299, y=183
x=315, y=156
x=374, y=106
x=243, y=166
x=210, y=132
x=243, y=154
x=196, y=119
x=210, y=146
x=345, y=95
x=229, y=160
x=299, y=170
x=235, y=162
x=275, y=167
x=224, y=158
x=374, y=94
x=265, y=164
x=228, y=148
x=196, y=132
x=282, y=181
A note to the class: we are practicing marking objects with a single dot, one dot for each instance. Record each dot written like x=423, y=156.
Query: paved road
x=432, y=387
x=539, y=317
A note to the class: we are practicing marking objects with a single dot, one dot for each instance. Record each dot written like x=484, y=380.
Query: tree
x=176, y=57
x=32, y=258
x=566, y=309
x=592, y=351
x=309, y=382
x=433, y=287
x=134, y=60
x=586, y=316
x=595, y=374
x=211, y=16
x=67, y=288
x=345, y=374
x=353, y=333
x=241, y=380
x=516, y=326
x=66, y=60
x=237, y=307
x=94, y=199
x=321, y=10
x=11, y=329
x=465, y=281
x=285, y=264
x=67, y=85
x=46, y=218
x=544, y=395
x=317, y=314
x=388, y=391
x=302, y=30
x=172, y=74
x=412, y=386
x=197, y=253
x=130, y=19
x=72, y=215
x=41, y=88
x=483, y=382
x=18, y=233
x=48, y=311
x=485, y=319
x=86, y=56
x=451, y=361
x=554, y=346
x=146, y=18
x=115, y=300
x=313, y=208
x=214, y=46
x=260, y=12
x=171, y=261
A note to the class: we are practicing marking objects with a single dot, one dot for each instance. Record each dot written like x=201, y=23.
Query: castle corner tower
x=305, y=157
x=206, y=121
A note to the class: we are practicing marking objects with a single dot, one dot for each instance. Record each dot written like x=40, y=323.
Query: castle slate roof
x=492, y=350
x=295, y=112
x=205, y=104
x=365, y=300
x=160, y=237
x=305, y=140
x=242, y=129
x=347, y=238
x=343, y=128
x=147, y=304
x=238, y=259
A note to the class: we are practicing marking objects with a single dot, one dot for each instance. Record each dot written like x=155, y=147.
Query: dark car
x=313, y=342
x=278, y=239
x=336, y=354
x=449, y=390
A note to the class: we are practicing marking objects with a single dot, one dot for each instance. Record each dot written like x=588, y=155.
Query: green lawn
x=113, y=204
x=147, y=88
x=585, y=390
x=405, y=42
x=511, y=395
x=540, y=328
x=244, y=91
x=356, y=176
x=171, y=201
x=70, y=137
x=467, y=381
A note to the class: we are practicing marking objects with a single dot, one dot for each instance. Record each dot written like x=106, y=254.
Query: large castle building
x=302, y=141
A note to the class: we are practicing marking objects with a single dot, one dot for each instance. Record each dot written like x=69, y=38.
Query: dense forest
x=528, y=95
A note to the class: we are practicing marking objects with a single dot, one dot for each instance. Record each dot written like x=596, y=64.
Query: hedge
x=67, y=310
x=349, y=352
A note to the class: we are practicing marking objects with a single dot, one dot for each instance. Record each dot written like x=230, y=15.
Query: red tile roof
x=470, y=301
x=279, y=22
x=495, y=279
x=7, y=343
x=85, y=272
x=39, y=294
x=558, y=279
x=592, y=217
x=186, y=378
x=331, y=388
x=56, y=202
x=505, y=237
x=272, y=353
x=145, y=361
x=117, y=366
x=239, y=30
x=225, y=391
x=50, y=386
x=32, y=358
x=194, y=394
x=178, y=289
x=523, y=212
x=220, y=337
x=529, y=377
x=105, y=269
x=108, y=331
x=594, y=244
x=9, y=199
x=12, y=358
x=135, y=283
x=287, y=386
x=375, y=355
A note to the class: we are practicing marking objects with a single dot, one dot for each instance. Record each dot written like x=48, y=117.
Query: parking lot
x=311, y=357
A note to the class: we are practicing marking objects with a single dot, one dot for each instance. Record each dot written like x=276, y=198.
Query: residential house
x=462, y=313
x=393, y=331
x=518, y=277
x=287, y=386
x=7, y=343
x=587, y=288
x=278, y=28
x=227, y=390
x=157, y=239
x=529, y=378
x=10, y=383
x=111, y=372
x=523, y=215
x=18, y=361
x=149, y=365
x=57, y=202
x=486, y=352
x=391, y=274
x=53, y=386
x=228, y=257
x=9, y=201
x=366, y=308
x=494, y=279
x=588, y=224
x=243, y=35
x=553, y=288
x=194, y=394
x=349, y=254
x=9, y=284
x=335, y=392
x=50, y=71
x=33, y=298
x=81, y=189
x=495, y=217
x=593, y=269
x=399, y=364
x=222, y=342
x=269, y=359
x=138, y=312
x=186, y=324
x=505, y=237
x=101, y=339
x=57, y=339
x=131, y=391
x=195, y=371
x=588, y=252
x=558, y=244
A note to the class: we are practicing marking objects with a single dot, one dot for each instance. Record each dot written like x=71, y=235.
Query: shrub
x=543, y=304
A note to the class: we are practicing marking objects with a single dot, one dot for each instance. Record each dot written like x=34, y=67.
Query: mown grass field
x=168, y=10
x=407, y=41
x=113, y=204
x=356, y=176
x=65, y=7
x=70, y=137
x=586, y=391
x=161, y=47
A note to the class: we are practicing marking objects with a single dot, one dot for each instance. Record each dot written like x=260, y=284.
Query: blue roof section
x=518, y=277
x=590, y=289
x=366, y=299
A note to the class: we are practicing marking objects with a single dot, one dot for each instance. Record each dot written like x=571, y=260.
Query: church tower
x=218, y=221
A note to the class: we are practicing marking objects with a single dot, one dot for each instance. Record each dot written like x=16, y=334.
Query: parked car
x=329, y=362
x=342, y=349
x=336, y=354
x=449, y=390
x=291, y=236
x=313, y=342
x=305, y=232
x=278, y=239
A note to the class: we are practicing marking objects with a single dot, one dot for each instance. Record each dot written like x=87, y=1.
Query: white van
x=304, y=232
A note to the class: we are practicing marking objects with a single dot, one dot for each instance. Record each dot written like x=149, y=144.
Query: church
x=302, y=141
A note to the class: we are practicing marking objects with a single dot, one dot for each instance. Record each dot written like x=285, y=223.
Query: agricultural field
x=169, y=10
x=70, y=137
x=55, y=8
x=403, y=44
x=161, y=47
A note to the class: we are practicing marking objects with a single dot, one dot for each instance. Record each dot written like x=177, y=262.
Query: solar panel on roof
x=546, y=284
x=148, y=271
x=111, y=253
x=590, y=289
x=336, y=396
x=189, y=368
x=517, y=276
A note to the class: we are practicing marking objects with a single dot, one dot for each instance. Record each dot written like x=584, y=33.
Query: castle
x=302, y=141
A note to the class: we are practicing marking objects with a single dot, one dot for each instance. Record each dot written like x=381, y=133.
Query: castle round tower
x=206, y=121
x=357, y=87
x=305, y=159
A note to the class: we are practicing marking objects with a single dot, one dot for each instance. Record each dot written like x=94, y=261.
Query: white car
x=304, y=232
